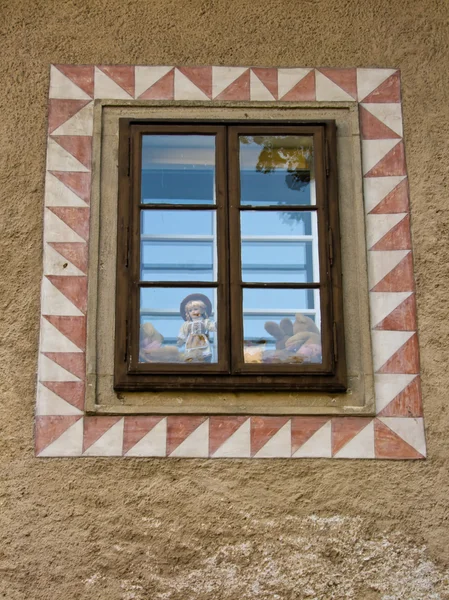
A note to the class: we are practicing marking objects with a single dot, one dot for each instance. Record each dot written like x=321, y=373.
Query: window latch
x=331, y=246
x=326, y=159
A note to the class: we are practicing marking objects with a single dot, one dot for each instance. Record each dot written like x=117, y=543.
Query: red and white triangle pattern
x=62, y=429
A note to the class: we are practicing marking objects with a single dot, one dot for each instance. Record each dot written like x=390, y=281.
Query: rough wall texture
x=181, y=530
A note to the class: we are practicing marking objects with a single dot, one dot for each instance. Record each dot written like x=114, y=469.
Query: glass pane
x=279, y=247
x=178, y=169
x=178, y=245
x=178, y=325
x=281, y=326
x=276, y=169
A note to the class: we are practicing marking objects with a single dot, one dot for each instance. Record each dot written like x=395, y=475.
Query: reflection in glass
x=178, y=245
x=178, y=325
x=277, y=249
x=178, y=169
x=281, y=326
x=276, y=170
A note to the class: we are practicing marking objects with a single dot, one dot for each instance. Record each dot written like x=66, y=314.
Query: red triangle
x=179, y=428
x=60, y=111
x=74, y=328
x=395, y=202
x=74, y=252
x=81, y=75
x=136, y=428
x=72, y=392
x=388, y=91
x=387, y=444
x=74, y=362
x=199, y=76
x=344, y=429
x=163, y=89
x=221, y=428
x=263, y=429
x=123, y=76
x=238, y=89
x=76, y=218
x=399, y=279
x=407, y=403
x=373, y=129
x=304, y=90
x=405, y=360
x=402, y=318
x=393, y=163
x=303, y=428
x=95, y=427
x=79, y=146
x=73, y=287
x=344, y=78
x=79, y=183
x=269, y=77
x=398, y=238
x=49, y=429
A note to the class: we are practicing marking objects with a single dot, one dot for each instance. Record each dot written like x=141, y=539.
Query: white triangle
x=288, y=78
x=55, y=230
x=58, y=194
x=186, y=89
x=70, y=443
x=110, y=443
x=386, y=343
x=327, y=90
x=196, y=445
x=319, y=445
x=280, y=445
x=370, y=79
x=50, y=371
x=361, y=445
x=222, y=77
x=390, y=114
x=80, y=124
x=53, y=302
x=373, y=151
x=147, y=76
x=62, y=88
x=49, y=403
x=388, y=387
x=381, y=262
x=238, y=445
x=59, y=159
x=409, y=429
x=54, y=264
x=258, y=89
x=377, y=188
x=154, y=443
x=53, y=340
x=105, y=87
x=379, y=225
x=383, y=303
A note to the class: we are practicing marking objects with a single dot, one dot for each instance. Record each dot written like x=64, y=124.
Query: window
x=228, y=258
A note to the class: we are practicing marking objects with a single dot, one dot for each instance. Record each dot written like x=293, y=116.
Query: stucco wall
x=149, y=529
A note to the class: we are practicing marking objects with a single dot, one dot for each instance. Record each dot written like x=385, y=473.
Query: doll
x=194, y=333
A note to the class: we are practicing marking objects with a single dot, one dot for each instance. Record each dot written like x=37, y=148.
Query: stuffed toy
x=151, y=348
x=301, y=339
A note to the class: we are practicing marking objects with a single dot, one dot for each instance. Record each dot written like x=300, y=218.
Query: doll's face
x=196, y=309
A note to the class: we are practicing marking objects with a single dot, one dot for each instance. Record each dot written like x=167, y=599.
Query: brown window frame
x=230, y=372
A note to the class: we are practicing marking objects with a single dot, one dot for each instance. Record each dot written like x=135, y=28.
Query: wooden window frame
x=229, y=373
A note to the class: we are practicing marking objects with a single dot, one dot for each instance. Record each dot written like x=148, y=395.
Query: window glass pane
x=279, y=246
x=178, y=325
x=281, y=326
x=178, y=245
x=276, y=170
x=178, y=169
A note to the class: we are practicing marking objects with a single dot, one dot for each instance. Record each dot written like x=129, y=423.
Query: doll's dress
x=195, y=335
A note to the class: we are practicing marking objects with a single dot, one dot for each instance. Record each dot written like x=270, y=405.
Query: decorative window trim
x=62, y=429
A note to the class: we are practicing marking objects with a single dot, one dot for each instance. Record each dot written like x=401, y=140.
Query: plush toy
x=299, y=341
x=151, y=348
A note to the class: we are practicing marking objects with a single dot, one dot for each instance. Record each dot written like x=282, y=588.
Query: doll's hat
x=191, y=297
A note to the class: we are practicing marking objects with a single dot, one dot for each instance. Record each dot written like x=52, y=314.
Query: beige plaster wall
x=178, y=530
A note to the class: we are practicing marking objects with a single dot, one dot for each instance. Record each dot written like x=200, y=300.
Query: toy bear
x=151, y=348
